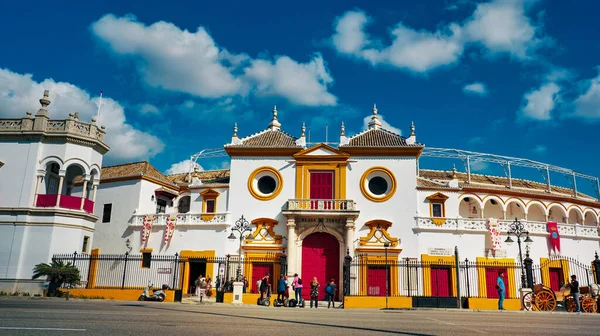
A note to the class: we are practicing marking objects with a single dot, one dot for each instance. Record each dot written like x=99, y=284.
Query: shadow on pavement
x=292, y=322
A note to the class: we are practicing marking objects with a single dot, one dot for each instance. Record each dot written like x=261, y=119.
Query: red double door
x=320, y=259
x=491, y=279
x=321, y=188
x=441, y=281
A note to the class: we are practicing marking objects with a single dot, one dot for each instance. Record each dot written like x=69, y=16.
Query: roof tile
x=378, y=137
x=268, y=139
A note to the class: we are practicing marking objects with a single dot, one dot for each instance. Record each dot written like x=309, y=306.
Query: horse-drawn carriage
x=543, y=298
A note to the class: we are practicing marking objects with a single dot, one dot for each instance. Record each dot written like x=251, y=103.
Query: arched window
x=184, y=204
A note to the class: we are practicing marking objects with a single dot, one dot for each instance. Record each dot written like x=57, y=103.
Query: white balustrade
x=321, y=205
x=185, y=219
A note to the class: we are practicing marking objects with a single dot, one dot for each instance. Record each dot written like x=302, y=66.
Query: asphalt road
x=48, y=317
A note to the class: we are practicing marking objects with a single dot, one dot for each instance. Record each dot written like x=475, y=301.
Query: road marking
x=49, y=329
x=453, y=324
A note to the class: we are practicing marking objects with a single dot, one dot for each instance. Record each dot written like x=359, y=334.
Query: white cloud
x=538, y=104
x=182, y=167
x=475, y=140
x=479, y=166
x=587, y=105
x=384, y=125
x=19, y=93
x=540, y=149
x=500, y=26
x=149, y=109
x=192, y=62
x=476, y=88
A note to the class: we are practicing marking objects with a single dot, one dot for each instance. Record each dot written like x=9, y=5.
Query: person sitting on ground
x=281, y=286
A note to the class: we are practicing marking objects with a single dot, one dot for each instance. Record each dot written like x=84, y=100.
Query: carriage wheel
x=527, y=301
x=545, y=301
x=589, y=305
x=570, y=305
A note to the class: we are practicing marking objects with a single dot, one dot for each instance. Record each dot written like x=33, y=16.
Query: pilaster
x=292, y=246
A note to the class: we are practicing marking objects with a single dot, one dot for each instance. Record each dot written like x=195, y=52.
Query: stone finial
x=453, y=171
x=44, y=101
x=412, y=128
x=303, y=130
x=274, y=124
x=28, y=114
x=235, y=130
x=412, y=138
x=375, y=122
x=342, y=130
x=93, y=120
x=76, y=115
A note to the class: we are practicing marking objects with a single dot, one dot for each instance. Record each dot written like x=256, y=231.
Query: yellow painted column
x=93, y=271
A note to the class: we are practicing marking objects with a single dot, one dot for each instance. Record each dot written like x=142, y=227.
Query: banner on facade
x=170, y=228
x=554, y=236
x=494, y=232
x=148, y=220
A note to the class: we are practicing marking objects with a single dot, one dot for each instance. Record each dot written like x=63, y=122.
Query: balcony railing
x=480, y=224
x=321, y=205
x=66, y=202
x=185, y=219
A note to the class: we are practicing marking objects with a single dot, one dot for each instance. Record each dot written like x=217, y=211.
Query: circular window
x=265, y=183
x=378, y=184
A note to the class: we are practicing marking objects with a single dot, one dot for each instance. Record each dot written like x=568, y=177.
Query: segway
x=267, y=300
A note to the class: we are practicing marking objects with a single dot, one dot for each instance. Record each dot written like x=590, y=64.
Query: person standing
x=297, y=286
x=281, y=286
x=245, y=282
x=574, y=285
x=330, y=292
x=500, y=287
x=264, y=286
x=314, y=292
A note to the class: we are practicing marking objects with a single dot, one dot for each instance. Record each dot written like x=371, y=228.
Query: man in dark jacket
x=574, y=285
x=264, y=286
x=281, y=287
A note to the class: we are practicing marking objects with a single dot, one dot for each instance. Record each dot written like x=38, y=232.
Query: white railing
x=480, y=224
x=321, y=205
x=185, y=219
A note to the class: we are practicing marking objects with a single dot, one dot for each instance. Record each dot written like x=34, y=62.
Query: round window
x=378, y=185
x=266, y=184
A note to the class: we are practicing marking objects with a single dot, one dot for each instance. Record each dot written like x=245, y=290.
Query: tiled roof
x=267, y=139
x=427, y=183
x=479, y=181
x=220, y=176
x=378, y=137
x=135, y=169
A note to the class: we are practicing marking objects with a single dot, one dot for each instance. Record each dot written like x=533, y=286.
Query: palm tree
x=58, y=273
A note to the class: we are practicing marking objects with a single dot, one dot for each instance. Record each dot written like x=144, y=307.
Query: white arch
x=577, y=210
x=97, y=168
x=307, y=232
x=497, y=199
x=471, y=196
x=51, y=159
x=562, y=209
x=592, y=213
x=518, y=201
x=542, y=205
x=80, y=162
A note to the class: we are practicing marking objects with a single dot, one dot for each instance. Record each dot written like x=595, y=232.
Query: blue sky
x=517, y=78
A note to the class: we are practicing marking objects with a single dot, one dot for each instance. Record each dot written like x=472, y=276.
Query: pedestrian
x=297, y=286
x=314, y=293
x=574, y=285
x=500, y=287
x=281, y=285
x=245, y=282
x=264, y=286
x=217, y=283
x=330, y=292
x=208, y=289
x=200, y=287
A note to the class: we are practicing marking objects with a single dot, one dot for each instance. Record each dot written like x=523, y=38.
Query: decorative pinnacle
x=235, y=130
x=274, y=112
x=303, y=130
x=45, y=102
x=374, y=109
x=343, y=130
x=274, y=124
x=412, y=128
x=375, y=122
x=453, y=171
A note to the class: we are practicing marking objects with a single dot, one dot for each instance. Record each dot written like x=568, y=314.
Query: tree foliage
x=58, y=273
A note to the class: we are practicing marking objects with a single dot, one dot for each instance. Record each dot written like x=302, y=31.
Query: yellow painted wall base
x=376, y=302
x=114, y=294
x=492, y=304
x=247, y=298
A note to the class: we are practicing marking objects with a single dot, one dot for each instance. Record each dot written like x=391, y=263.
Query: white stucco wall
x=18, y=175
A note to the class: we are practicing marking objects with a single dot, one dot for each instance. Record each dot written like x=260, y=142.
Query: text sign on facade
x=437, y=251
x=166, y=270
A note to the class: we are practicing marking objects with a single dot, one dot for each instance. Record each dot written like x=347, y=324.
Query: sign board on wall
x=438, y=251
x=491, y=253
x=165, y=270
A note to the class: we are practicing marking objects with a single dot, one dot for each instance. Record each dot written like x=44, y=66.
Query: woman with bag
x=314, y=292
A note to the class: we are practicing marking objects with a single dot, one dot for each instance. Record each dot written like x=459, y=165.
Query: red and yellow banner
x=554, y=236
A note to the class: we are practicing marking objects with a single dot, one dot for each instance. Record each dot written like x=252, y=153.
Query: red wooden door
x=556, y=277
x=491, y=277
x=321, y=259
x=376, y=281
x=321, y=188
x=258, y=272
x=440, y=281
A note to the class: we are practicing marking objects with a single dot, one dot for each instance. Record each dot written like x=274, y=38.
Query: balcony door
x=321, y=188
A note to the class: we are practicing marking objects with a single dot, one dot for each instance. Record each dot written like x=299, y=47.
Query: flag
x=554, y=236
x=494, y=231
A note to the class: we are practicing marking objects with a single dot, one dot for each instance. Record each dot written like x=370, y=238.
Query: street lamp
x=387, y=285
x=517, y=229
x=241, y=226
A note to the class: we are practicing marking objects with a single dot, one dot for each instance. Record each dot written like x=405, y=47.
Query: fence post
x=227, y=269
x=282, y=264
x=124, y=270
x=467, y=275
x=175, y=268
x=74, y=257
x=347, y=261
x=408, y=276
x=456, y=262
x=528, y=270
x=596, y=264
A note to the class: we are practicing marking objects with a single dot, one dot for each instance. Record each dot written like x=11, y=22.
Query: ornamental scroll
x=170, y=228
x=494, y=232
x=147, y=227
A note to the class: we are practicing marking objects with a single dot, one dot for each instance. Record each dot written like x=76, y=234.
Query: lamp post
x=241, y=226
x=517, y=229
x=387, y=282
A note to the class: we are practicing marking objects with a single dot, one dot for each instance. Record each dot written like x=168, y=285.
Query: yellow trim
x=441, y=261
x=257, y=238
x=546, y=264
x=378, y=260
x=492, y=304
x=256, y=194
x=367, y=194
x=508, y=263
x=262, y=258
x=336, y=162
x=437, y=198
x=144, y=250
x=184, y=271
x=114, y=294
x=378, y=225
x=93, y=268
x=376, y=302
x=209, y=195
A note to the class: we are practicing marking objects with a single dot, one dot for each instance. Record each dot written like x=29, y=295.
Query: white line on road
x=49, y=329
